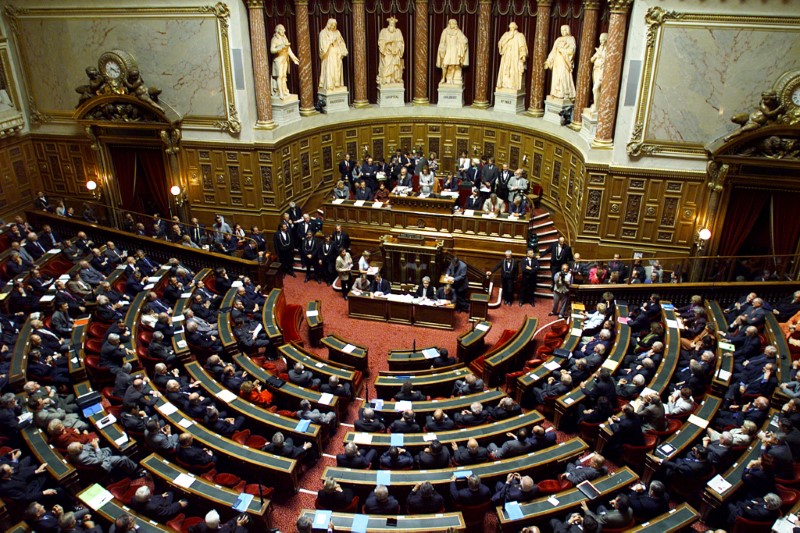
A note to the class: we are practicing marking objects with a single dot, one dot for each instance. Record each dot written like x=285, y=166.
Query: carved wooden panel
x=537, y=165
x=433, y=146
x=513, y=158
x=632, y=208
x=555, y=180
x=233, y=174
x=593, y=203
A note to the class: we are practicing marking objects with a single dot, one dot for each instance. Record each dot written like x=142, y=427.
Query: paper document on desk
x=358, y=203
x=348, y=348
x=325, y=398
x=469, y=212
x=697, y=421
x=482, y=327
x=672, y=324
x=96, y=496
x=552, y=365
x=226, y=396
x=236, y=284
x=363, y=438
x=403, y=405
x=167, y=409
x=338, y=201
x=312, y=313
x=183, y=480
x=719, y=484
x=430, y=353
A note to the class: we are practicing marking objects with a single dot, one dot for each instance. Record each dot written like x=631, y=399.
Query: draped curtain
x=744, y=208
x=141, y=178
x=153, y=178
x=786, y=223
x=124, y=161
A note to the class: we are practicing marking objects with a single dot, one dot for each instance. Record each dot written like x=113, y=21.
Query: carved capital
x=301, y=3
x=358, y=1
x=717, y=174
x=592, y=5
x=544, y=3
x=620, y=6
x=255, y=4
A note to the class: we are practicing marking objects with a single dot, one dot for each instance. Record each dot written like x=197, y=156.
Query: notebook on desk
x=588, y=490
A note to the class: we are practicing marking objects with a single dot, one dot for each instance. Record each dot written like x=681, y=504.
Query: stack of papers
x=183, y=480
x=552, y=365
x=348, y=348
x=96, y=496
x=403, y=405
x=242, y=502
x=360, y=523
x=513, y=510
x=697, y=421
x=321, y=520
x=363, y=438
x=226, y=396
x=358, y=203
x=167, y=409
x=430, y=353
x=325, y=398
x=302, y=426
x=377, y=403
x=312, y=313
x=383, y=477
x=338, y=201
x=396, y=439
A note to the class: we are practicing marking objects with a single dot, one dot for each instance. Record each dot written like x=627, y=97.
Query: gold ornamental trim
x=657, y=20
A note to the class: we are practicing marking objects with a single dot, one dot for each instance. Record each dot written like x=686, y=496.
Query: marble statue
x=391, y=47
x=561, y=61
x=282, y=54
x=599, y=62
x=453, y=54
x=513, y=54
x=332, y=51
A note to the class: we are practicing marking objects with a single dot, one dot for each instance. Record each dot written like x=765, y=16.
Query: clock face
x=112, y=69
x=796, y=96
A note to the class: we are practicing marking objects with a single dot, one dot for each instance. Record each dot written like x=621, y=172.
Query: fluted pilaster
x=304, y=55
x=421, y=53
x=588, y=37
x=482, y=59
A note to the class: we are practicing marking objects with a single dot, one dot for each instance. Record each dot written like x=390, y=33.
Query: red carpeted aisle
x=380, y=337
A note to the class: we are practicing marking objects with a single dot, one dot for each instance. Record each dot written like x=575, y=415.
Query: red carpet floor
x=379, y=337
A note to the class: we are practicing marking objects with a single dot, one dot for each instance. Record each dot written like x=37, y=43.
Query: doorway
x=141, y=178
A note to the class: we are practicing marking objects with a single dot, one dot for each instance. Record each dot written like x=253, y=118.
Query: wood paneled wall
x=19, y=178
x=603, y=209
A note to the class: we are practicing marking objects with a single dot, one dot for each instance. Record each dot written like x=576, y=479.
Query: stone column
x=536, y=107
x=304, y=55
x=588, y=37
x=261, y=75
x=421, y=53
x=607, y=106
x=482, y=59
x=360, y=45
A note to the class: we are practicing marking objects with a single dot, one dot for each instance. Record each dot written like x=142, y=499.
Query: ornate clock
x=115, y=66
x=788, y=90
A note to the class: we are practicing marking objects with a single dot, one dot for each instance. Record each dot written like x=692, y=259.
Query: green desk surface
x=570, y=343
x=484, y=432
x=336, y=343
x=421, y=380
x=225, y=446
x=112, y=433
x=689, y=432
x=313, y=363
x=401, y=357
x=674, y=520
x=441, y=522
x=301, y=393
x=58, y=467
x=212, y=492
x=18, y=369
x=492, y=470
x=473, y=335
x=775, y=336
x=489, y=397
x=519, y=342
x=734, y=474
x=724, y=363
x=277, y=422
x=672, y=351
x=314, y=321
x=269, y=319
x=111, y=510
x=568, y=500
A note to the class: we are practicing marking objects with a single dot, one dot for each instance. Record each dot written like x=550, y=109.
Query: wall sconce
x=702, y=238
x=92, y=186
x=179, y=194
x=525, y=159
x=474, y=149
x=366, y=150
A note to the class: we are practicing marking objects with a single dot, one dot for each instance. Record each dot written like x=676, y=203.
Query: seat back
x=474, y=514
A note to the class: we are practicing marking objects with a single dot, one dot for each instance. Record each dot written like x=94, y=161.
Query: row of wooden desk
x=370, y=307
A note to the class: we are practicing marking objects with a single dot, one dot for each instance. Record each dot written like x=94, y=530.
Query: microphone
x=414, y=346
x=260, y=492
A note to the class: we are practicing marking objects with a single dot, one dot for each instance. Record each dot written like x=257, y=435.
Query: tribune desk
x=400, y=311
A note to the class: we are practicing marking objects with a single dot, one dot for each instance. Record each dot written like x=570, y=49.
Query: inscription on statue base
x=509, y=102
x=451, y=96
x=554, y=106
x=285, y=110
x=336, y=101
x=391, y=96
x=589, y=124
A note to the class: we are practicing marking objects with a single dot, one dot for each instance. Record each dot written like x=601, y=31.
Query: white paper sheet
x=348, y=348
x=325, y=398
x=482, y=327
x=719, y=484
x=185, y=423
x=697, y=421
x=363, y=438
x=552, y=365
x=226, y=396
x=167, y=409
x=312, y=313
x=183, y=480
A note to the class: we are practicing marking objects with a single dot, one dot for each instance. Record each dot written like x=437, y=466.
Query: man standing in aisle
x=510, y=271
x=456, y=275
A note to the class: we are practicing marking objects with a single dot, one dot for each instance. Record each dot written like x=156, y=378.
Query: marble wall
x=177, y=49
x=705, y=74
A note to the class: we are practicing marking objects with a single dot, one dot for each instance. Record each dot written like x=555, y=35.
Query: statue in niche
x=332, y=51
x=562, y=61
x=599, y=62
x=391, y=47
x=282, y=53
x=453, y=54
x=769, y=111
x=513, y=54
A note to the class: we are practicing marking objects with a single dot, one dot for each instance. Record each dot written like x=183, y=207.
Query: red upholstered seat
x=241, y=436
x=93, y=346
x=97, y=330
x=144, y=337
x=351, y=507
x=125, y=488
x=743, y=525
x=552, y=486
x=789, y=496
x=108, y=394
x=290, y=321
x=101, y=376
x=634, y=456
x=474, y=514
x=177, y=522
x=189, y=522
x=672, y=427
x=256, y=441
x=559, y=328
x=588, y=431
x=193, y=468
x=252, y=488
x=619, y=529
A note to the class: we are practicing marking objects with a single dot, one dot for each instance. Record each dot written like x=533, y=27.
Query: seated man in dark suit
x=302, y=377
x=541, y=438
x=396, y=459
x=475, y=416
x=471, y=384
x=620, y=515
x=755, y=411
x=284, y=447
x=433, y=456
x=368, y=422
x=517, y=444
x=333, y=496
x=577, y=472
x=443, y=360
x=439, y=421
x=158, y=349
x=470, y=454
x=648, y=504
x=355, y=458
x=139, y=394
x=193, y=455
x=626, y=429
x=474, y=493
x=506, y=408
x=159, y=507
x=474, y=202
x=202, y=340
x=424, y=499
x=380, y=285
x=407, y=393
x=766, y=509
x=224, y=426
x=380, y=502
x=515, y=489
x=335, y=387
x=554, y=387
x=406, y=424
x=694, y=465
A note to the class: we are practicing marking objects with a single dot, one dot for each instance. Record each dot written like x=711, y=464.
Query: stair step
x=547, y=241
x=547, y=233
x=542, y=216
x=540, y=294
x=542, y=225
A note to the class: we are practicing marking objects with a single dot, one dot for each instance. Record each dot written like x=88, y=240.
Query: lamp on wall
x=179, y=194
x=92, y=186
x=702, y=238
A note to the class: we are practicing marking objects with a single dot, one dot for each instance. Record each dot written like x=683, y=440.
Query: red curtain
x=153, y=178
x=786, y=223
x=744, y=208
x=124, y=161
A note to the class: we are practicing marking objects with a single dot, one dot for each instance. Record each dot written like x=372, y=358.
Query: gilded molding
x=220, y=11
x=255, y=4
x=657, y=19
x=544, y=3
x=620, y=6
x=717, y=174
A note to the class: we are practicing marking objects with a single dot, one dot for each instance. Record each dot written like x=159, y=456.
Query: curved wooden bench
x=114, y=508
x=776, y=338
x=433, y=384
x=400, y=360
x=347, y=353
x=472, y=342
x=724, y=369
x=282, y=321
x=497, y=362
x=677, y=519
x=477, y=364
x=296, y=354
